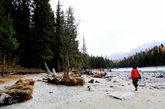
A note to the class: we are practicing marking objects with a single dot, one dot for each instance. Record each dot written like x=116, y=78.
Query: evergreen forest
x=33, y=35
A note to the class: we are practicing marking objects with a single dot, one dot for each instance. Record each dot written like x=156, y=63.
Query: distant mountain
x=121, y=55
x=118, y=55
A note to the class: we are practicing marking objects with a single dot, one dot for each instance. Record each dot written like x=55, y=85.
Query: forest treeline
x=96, y=62
x=32, y=35
x=150, y=57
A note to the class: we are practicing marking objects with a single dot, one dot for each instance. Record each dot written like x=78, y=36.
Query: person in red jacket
x=134, y=77
x=100, y=69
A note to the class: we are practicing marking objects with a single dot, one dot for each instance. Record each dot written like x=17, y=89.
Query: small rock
x=142, y=85
x=161, y=76
x=111, y=86
x=39, y=80
x=91, y=88
x=115, y=81
x=51, y=92
x=91, y=81
x=108, y=79
x=97, y=81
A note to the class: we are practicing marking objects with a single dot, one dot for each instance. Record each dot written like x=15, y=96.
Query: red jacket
x=134, y=73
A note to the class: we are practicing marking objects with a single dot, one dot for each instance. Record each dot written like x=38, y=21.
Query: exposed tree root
x=21, y=91
x=69, y=80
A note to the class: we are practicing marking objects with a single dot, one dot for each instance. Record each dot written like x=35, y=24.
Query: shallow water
x=158, y=68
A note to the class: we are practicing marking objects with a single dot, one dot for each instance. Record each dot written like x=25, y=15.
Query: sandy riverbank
x=63, y=97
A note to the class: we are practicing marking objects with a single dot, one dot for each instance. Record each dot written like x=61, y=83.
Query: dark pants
x=135, y=82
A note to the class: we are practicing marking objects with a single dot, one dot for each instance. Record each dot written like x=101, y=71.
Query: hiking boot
x=136, y=89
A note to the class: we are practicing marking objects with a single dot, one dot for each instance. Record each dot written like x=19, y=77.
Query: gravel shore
x=48, y=96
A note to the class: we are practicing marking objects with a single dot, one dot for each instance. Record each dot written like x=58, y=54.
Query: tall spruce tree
x=43, y=32
x=7, y=42
x=59, y=33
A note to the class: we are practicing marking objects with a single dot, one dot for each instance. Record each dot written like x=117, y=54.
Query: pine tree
x=43, y=32
x=59, y=33
x=8, y=42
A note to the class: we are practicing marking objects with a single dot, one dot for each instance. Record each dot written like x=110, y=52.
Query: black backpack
x=139, y=76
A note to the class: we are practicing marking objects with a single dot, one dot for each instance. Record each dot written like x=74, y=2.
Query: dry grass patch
x=10, y=67
x=12, y=76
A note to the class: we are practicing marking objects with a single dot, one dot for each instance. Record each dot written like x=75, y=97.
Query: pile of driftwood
x=21, y=91
x=68, y=80
x=98, y=75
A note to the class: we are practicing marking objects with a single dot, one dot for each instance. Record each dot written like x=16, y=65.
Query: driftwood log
x=99, y=75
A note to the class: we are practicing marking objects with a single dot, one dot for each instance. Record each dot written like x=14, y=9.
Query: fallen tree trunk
x=3, y=63
x=47, y=68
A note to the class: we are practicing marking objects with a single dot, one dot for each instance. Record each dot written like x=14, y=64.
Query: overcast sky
x=111, y=26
